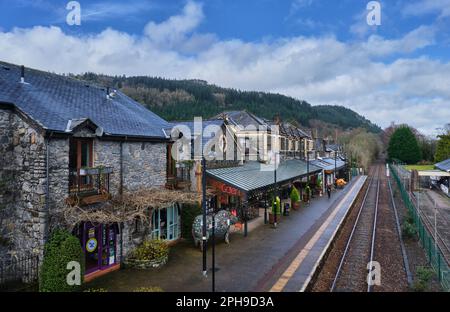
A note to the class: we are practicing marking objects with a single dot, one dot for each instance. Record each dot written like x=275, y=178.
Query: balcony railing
x=90, y=184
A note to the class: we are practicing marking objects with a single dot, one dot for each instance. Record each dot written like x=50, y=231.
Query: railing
x=89, y=181
x=18, y=270
x=435, y=254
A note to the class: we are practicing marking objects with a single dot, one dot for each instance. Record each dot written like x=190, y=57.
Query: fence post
x=439, y=265
x=429, y=250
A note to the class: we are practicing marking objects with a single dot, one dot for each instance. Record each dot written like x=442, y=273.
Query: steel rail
x=374, y=231
x=350, y=239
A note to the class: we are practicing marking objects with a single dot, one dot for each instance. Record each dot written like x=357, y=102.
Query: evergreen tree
x=403, y=146
x=442, y=148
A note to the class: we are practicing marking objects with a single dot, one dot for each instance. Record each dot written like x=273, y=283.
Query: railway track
x=441, y=243
x=428, y=222
x=351, y=275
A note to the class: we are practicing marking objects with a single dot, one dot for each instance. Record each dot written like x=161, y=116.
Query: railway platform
x=301, y=266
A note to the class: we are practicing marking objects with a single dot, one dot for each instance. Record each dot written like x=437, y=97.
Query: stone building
x=65, y=141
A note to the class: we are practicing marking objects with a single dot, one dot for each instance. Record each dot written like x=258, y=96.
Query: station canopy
x=254, y=176
x=328, y=164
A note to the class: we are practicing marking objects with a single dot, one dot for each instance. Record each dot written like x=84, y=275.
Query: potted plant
x=276, y=210
x=319, y=186
x=295, y=198
x=307, y=195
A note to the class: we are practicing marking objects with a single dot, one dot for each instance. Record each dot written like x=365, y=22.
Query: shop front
x=247, y=190
x=100, y=244
x=228, y=197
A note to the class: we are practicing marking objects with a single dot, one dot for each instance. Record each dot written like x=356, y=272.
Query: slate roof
x=53, y=100
x=322, y=164
x=444, y=165
x=243, y=119
x=205, y=123
x=339, y=163
x=333, y=147
x=250, y=177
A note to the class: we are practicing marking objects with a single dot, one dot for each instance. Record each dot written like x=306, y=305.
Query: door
x=166, y=223
x=99, y=246
x=91, y=239
x=173, y=221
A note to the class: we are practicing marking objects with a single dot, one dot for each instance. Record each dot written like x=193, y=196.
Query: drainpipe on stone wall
x=122, y=225
x=47, y=188
x=121, y=168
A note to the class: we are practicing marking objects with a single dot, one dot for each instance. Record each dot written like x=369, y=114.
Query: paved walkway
x=247, y=264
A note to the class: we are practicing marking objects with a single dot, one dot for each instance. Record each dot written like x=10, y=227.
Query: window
x=80, y=156
x=166, y=223
x=80, y=153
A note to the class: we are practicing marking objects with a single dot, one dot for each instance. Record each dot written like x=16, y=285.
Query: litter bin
x=286, y=209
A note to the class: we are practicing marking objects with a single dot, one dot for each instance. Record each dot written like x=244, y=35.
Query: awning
x=328, y=163
x=255, y=176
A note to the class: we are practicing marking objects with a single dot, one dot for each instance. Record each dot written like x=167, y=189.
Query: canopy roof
x=444, y=165
x=254, y=176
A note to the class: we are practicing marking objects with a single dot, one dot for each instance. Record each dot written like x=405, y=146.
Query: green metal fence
x=435, y=257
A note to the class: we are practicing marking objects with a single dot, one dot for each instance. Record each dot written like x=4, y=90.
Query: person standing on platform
x=329, y=191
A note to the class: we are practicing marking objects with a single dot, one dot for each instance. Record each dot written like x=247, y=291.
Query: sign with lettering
x=225, y=188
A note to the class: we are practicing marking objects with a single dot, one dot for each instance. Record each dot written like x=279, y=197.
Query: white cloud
x=174, y=30
x=109, y=10
x=421, y=7
x=321, y=70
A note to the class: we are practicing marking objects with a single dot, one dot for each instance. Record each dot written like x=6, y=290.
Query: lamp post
x=335, y=166
x=213, y=252
x=275, y=193
x=204, y=208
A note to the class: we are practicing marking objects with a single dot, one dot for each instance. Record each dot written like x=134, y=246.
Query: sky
x=321, y=51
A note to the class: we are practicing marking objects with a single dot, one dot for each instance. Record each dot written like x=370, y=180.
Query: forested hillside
x=184, y=99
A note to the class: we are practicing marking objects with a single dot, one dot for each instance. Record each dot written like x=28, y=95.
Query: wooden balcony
x=89, y=186
x=174, y=183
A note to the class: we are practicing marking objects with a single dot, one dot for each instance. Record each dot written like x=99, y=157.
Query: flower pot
x=296, y=205
x=272, y=218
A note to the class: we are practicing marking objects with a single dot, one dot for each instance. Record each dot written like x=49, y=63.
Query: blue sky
x=322, y=51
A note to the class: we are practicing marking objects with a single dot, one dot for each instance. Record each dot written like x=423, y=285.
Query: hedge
x=188, y=214
x=61, y=249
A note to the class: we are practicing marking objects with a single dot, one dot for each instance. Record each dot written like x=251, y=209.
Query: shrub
x=295, y=195
x=148, y=289
x=188, y=214
x=409, y=230
x=151, y=250
x=276, y=206
x=61, y=249
x=424, y=276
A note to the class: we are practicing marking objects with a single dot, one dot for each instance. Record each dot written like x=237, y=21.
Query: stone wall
x=144, y=164
x=23, y=188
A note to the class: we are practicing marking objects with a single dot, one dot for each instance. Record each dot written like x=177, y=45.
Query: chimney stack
x=277, y=119
x=22, y=74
